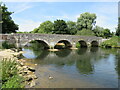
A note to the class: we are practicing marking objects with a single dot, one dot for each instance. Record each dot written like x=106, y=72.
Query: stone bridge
x=50, y=40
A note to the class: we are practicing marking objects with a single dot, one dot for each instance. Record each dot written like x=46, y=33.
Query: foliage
x=86, y=21
x=45, y=27
x=72, y=27
x=86, y=32
x=113, y=42
x=8, y=25
x=14, y=82
x=78, y=45
x=9, y=69
x=60, y=27
x=6, y=45
x=101, y=32
x=10, y=77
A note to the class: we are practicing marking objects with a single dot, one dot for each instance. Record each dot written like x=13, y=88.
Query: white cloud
x=103, y=21
x=28, y=25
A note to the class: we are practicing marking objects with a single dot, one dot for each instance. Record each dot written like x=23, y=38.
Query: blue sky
x=29, y=15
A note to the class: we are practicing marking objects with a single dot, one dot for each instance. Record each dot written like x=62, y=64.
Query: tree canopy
x=86, y=21
x=60, y=27
x=72, y=27
x=8, y=25
x=45, y=27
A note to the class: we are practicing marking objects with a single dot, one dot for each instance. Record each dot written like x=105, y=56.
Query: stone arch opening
x=94, y=44
x=63, y=44
x=81, y=43
x=40, y=44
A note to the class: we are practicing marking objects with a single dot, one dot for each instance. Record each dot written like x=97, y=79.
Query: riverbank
x=113, y=42
x=25, y=69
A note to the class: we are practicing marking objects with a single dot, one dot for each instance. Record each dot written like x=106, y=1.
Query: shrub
x=6, y=45
x=113, y=42
x=10, y=77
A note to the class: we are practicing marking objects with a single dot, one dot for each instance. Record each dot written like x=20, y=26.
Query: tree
x=118, y=29
x=106, y=33
x=45, y=27
x=72, y=27
x=60, y=27
x=85, y=32
x=8, y=25
x=98, y=31
x=101, y=32
x=86, y=21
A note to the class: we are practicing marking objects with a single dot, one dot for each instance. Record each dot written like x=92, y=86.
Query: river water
x=81, y=68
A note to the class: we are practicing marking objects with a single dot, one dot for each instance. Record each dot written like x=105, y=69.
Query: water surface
x=82, y=68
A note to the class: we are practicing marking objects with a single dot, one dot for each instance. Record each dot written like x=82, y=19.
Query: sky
x=29, y=15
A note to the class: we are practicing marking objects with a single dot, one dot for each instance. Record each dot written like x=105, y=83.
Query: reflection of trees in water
x=93, y=49
x=63, y=53
x=81, y=51
x=84, y=65
x=37, y=49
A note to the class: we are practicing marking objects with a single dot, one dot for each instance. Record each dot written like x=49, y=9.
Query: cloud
x=27, y=25
x=18, y=7
x=103, y=21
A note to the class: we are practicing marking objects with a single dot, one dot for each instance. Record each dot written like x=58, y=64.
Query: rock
x=32, y=83
x=31, y=69
x=50, y=77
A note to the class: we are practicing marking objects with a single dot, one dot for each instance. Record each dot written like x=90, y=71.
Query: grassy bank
x=113, y=42
x=10, y=77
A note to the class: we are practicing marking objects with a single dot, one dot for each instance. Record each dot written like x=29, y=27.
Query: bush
x=113, y=42
x=6, y=45
x=78, y=45
x=10, y=77
x=14, y=82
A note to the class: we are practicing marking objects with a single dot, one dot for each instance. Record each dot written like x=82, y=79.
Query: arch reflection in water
x=63, y=53
x=63, y=44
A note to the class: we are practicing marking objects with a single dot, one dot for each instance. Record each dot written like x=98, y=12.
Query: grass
x=10, y=77
x=113, y=42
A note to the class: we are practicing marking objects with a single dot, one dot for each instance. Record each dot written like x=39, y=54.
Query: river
x=81, y=68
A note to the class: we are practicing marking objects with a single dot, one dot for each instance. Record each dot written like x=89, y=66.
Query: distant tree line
x=85, y=25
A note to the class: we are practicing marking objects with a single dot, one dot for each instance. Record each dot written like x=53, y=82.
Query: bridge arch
x=94, y=43
x=63, y=44
x=43, y=42
x=82, y=43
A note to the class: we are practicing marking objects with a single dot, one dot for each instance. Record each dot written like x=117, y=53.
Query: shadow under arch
x=63, y=53
x=94, y=44
x=82, y=43
x=63, y=44
x=37, y=43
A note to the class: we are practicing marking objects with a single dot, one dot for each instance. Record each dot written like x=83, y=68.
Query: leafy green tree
x=106, y=33
x=98, y=31
x=35, y=30
x=72, y=27
x=60, y=27
x=86, y=32
x=8, y=25
x=45, y=27
x=86, y=21
x=118, y=29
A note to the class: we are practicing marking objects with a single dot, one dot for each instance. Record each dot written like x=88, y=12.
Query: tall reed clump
x=10, y=77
